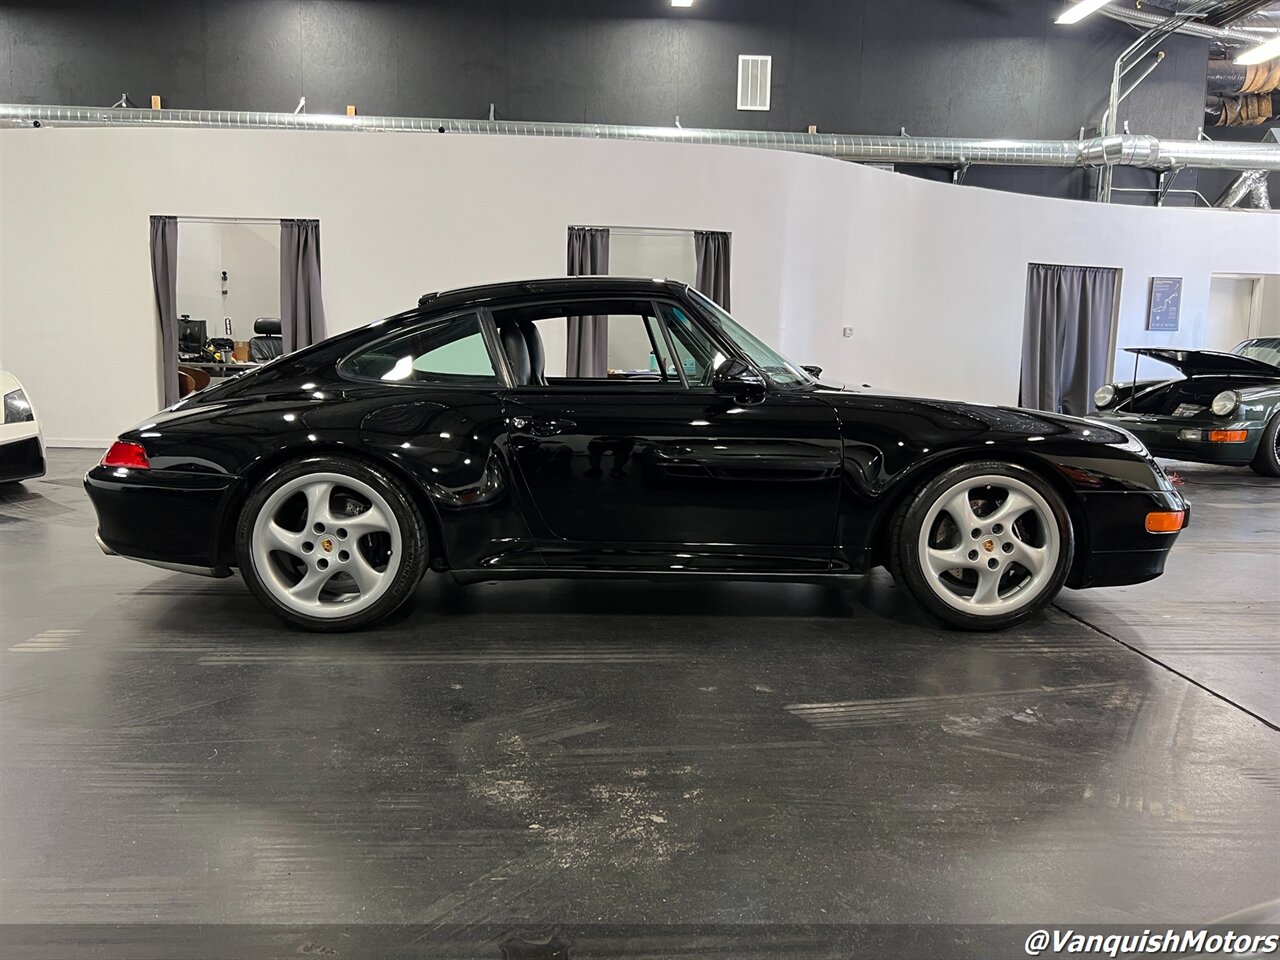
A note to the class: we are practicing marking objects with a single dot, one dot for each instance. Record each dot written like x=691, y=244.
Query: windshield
x=780, y=371
x=1267, y=350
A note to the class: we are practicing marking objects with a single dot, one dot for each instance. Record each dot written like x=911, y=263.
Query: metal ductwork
x=1260, y=194
x=1146, y=20
x=1119, y=150
x=1233, y=79
x=1241, y=111
x=1251, y=183
x=1260, y=22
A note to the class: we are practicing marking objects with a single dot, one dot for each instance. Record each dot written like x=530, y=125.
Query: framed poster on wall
x=1166, y=302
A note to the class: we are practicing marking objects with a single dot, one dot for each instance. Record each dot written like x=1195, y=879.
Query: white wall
x=930, y=276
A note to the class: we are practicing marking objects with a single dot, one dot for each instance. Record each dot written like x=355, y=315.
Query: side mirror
x=736, y=378
x=812, y=370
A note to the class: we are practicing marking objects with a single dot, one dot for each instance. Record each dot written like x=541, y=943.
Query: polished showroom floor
x=686, y=753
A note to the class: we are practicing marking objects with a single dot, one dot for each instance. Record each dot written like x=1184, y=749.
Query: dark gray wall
x=942, y=67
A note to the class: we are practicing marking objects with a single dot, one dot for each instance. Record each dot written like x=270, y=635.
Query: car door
x=636, y=463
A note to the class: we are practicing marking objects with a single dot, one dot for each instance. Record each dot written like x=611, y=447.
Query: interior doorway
x=1241, y=307
x=1230, y=311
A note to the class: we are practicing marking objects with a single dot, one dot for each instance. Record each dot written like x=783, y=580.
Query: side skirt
x=567, y=573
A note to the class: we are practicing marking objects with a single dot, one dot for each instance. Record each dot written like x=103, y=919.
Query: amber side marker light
x=1165, y=521
x=1228, y=436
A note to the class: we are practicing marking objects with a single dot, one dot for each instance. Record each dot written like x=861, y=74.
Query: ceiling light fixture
x=1261, y=53
x=1081, y=10
x=682, y=3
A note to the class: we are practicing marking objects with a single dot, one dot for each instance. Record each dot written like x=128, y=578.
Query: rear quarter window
x=451, y=351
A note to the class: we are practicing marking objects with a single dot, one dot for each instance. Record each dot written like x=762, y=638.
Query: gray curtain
x=164, y=280
x=712, y=278
x=301, y=305
x=1066, y=336
x=588, y=354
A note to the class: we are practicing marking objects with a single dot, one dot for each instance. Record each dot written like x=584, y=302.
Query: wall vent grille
x=754, y=75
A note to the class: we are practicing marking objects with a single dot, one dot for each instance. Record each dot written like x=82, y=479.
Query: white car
x=21, y=443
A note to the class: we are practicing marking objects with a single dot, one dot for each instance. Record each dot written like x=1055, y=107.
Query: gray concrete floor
x=634, y=752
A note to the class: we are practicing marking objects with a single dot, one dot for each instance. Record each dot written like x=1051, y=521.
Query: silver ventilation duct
x=1260, y=194
x=1119, y=150
x=1145, y=20
x=1251, y=183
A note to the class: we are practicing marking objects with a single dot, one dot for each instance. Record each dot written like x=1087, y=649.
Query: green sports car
x=1224, y=409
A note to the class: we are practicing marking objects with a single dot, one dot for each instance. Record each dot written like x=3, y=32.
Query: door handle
x=541, y=426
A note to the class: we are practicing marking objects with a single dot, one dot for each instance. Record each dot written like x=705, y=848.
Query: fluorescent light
x=1081, y=10
x=1261, y=53
x=682, y=3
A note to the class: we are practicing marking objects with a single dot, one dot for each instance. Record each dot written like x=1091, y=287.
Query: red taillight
x=123, y=453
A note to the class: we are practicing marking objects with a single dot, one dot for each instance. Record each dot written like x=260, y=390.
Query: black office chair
x=268, y=344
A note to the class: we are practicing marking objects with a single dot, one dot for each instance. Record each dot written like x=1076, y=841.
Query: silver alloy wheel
x=325, y=562
x=994, y=559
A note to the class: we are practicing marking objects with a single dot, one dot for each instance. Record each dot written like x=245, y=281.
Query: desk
x=216, y=370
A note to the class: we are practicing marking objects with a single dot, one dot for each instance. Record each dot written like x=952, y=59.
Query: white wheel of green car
x=984, y=545
x=331, y=544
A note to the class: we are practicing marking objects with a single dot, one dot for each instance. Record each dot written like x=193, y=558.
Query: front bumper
x=166, y=518
x=1163, y=436
x=21, y=459
x=1118, y=549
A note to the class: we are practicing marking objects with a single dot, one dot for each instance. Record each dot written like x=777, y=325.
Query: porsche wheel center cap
x=327, y=545
x=987, y=545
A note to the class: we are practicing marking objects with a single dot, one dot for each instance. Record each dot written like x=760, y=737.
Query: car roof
x=613, y=286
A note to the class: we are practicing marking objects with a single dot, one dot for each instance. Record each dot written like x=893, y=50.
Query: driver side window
x=600, y=341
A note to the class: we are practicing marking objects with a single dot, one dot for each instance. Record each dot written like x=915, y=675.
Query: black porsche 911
x=611, y=427
x=1225, y=408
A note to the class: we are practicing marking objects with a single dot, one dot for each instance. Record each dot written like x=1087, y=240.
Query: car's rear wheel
x=1267, y=460
x=983, y=546
x=330, y=544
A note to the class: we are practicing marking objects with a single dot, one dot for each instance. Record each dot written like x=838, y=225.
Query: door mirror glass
x=736, y=377
x=812, y=369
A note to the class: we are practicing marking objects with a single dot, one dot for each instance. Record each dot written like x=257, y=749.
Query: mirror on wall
x=228, y=280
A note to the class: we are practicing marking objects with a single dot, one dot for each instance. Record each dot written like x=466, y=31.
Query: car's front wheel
x=330, y=543
x=1267, y=460
x=984, y=545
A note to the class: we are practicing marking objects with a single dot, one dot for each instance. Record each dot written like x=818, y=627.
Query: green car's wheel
x=1267, y=460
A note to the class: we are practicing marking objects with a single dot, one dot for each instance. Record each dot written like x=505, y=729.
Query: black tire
x=928, y=587
x=1267, y=460
x=405, y=521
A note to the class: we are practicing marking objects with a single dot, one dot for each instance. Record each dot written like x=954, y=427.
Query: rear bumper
x=165, y=518
x=21, y=460
x=1118, y=549
x=1163, y=437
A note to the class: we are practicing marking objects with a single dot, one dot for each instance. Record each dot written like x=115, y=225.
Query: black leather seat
x=523, y=344
x=269, y=344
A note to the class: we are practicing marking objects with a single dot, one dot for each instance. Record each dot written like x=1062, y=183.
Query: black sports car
x=656, y=438
x=1225, y=408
